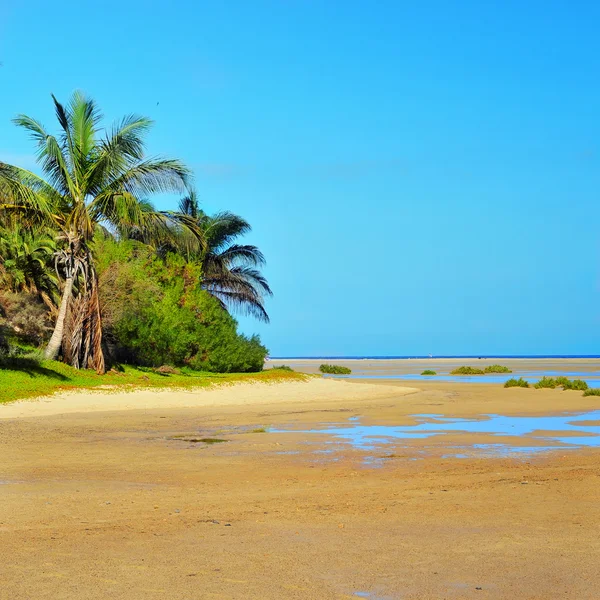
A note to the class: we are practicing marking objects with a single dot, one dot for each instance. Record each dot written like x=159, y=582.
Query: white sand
x=240, y=394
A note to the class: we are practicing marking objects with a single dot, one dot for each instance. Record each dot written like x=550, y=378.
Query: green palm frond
x=230, y=272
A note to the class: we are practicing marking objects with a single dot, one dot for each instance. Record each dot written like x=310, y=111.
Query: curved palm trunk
x=55, y=342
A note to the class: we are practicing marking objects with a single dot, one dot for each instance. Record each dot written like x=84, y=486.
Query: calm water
x=591, y=378
x=567, y=431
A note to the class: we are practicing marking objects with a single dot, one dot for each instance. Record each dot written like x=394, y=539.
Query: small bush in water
x=592, y=392
x=466, y=371
x=283, y=368
x=335, y=370
x=428, y=372
x=516, y=383
x=497, y=369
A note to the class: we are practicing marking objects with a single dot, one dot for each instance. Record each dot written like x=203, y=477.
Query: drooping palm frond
x=229, y=270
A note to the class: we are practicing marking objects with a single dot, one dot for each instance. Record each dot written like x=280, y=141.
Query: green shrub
x=335, y=370
x=561, y=381
x=574, y=384
x=497, y=369
x=466, y=371
x=428, y=372
x=592, y=392
x=545, y=382
x=155, y=313
x=283, y=368
x=516, y=383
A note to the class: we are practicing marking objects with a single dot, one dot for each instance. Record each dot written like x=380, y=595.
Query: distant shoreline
x=442, y=356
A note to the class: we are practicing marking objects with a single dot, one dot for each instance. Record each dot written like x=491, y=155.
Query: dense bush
x=497, y=369
x=516, y=383
x=335, y=370
x=466, y=371
x=428, y=372
x=156, y=314
x=592, y=392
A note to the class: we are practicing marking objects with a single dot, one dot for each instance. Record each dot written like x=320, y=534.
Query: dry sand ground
x=112, y=505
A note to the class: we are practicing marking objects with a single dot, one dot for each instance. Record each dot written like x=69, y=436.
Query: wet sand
x=120, y=504
x=444, y=365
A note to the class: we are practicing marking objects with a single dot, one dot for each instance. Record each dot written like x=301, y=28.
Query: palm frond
x=242, y=253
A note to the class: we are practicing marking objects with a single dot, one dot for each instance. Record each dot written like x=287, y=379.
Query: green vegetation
x=92, y=274
x=156, y=314
x=592, y=392
x=259, y=430
x=497, y=369
x=575, y=384
x=428, y=372
x=552, y=383
x=545, y=382
x=335, y=370
x=561, y=381
x=466, y=371
x=283, y=368
x=27, y=378
x=516, y=383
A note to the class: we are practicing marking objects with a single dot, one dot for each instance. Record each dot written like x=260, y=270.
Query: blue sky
x=422, y=176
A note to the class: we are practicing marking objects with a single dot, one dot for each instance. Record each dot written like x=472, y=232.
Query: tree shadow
x=31, y=367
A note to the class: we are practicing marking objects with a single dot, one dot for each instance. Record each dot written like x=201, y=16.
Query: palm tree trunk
x=55, y=342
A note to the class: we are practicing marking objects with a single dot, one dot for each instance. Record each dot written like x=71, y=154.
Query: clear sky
x=422, y=176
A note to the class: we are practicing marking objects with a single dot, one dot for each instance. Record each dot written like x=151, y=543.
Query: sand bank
x=239, y=394
x=122, y=504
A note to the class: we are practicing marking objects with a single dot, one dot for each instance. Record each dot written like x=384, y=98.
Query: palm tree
x=92, y=179
x=229, y=271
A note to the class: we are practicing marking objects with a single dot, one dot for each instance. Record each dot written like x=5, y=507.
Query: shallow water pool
x=565, y=431
x=592, y=379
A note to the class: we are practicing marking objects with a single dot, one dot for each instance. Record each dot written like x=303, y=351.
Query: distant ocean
x=416, y=356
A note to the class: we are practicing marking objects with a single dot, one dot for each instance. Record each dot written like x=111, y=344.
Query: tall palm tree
x=230, y=271
x=93, y=178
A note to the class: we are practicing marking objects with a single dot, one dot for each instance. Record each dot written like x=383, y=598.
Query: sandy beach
x=110, y=495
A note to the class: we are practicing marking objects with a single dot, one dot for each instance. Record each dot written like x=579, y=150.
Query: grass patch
x=335, y=370
x=282, y=368
x=592, y=392
x=428, y=372
x=575, y=384
x=497, y=369
x=259, y=430
x=545, y=382
x=561, y=381
x=22, y=378
x=516, y=383
x=466, y=371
